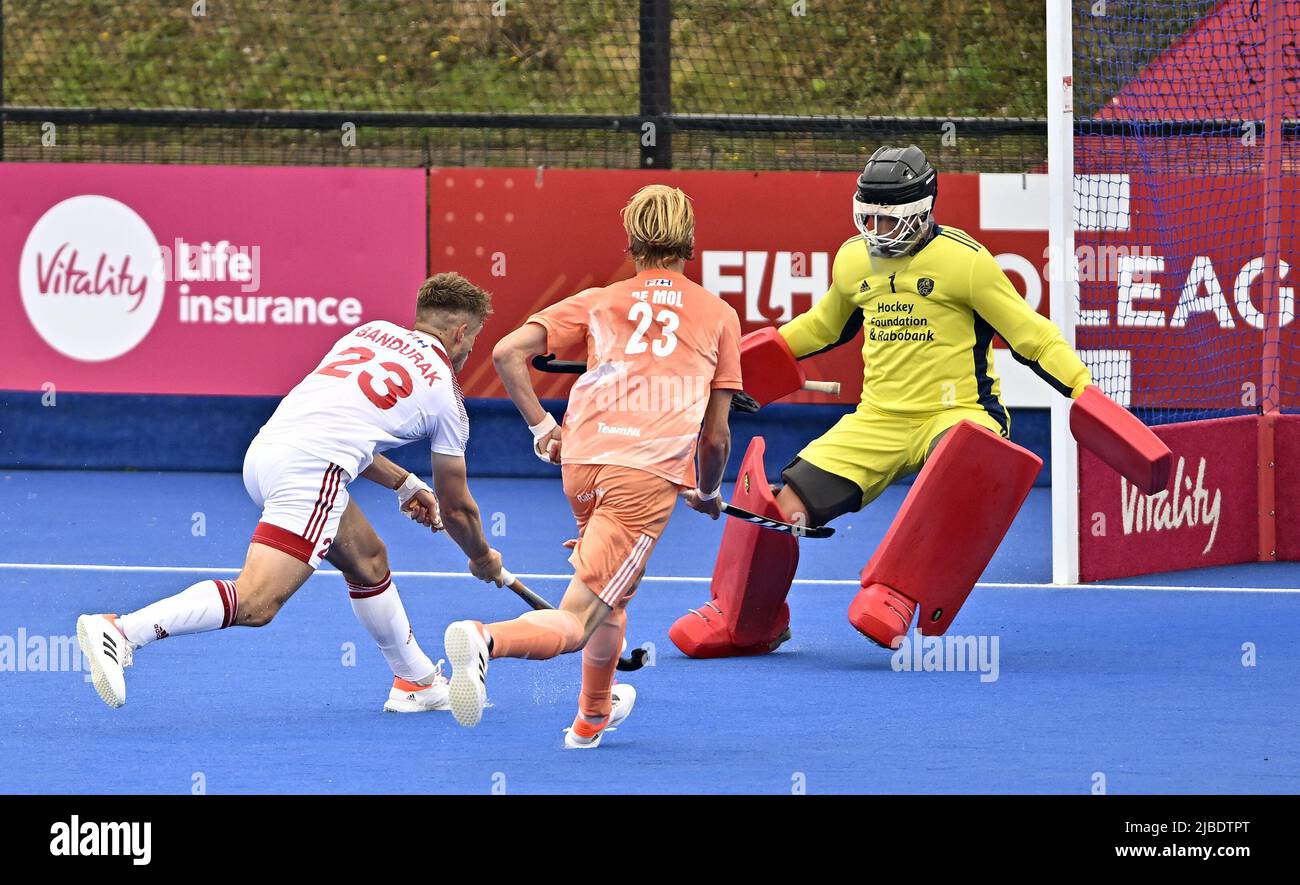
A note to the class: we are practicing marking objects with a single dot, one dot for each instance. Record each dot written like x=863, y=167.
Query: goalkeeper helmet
x=895, y=199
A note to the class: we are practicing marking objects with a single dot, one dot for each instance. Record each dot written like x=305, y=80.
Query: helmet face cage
x=912, y=221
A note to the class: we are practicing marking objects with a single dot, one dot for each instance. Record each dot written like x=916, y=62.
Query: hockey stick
x=634, y=661
x=548, y=363
x=789, y=528
x=828, y=387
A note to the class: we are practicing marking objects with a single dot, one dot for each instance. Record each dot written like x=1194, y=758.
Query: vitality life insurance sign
x=198, y=280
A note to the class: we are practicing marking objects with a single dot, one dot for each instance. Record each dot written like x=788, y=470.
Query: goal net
x=1175, y=161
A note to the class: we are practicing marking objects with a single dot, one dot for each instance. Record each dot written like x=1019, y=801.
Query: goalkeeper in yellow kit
x=929, y=300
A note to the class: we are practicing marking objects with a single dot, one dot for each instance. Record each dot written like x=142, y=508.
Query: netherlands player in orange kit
x=381, y=385
x=663, y=361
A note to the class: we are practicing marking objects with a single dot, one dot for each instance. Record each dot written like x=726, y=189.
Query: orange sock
x=537, y=635
x=599, y=661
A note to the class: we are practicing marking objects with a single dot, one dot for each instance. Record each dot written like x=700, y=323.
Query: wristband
x=540, y=431
x=708, y=496
x=543, y=427
x=410, y=485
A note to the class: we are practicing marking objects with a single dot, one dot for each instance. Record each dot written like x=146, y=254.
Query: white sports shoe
x=624, y=699
x=412, y=697
x=108, y=652
x=468, y=653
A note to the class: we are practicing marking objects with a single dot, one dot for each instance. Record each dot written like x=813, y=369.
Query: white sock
x=207, y=605
x=380, y=611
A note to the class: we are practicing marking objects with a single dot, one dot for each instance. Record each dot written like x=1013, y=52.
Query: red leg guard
x=747, y=614
x=950, y=525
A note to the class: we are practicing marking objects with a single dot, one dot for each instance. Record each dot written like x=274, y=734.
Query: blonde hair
x=660, y=225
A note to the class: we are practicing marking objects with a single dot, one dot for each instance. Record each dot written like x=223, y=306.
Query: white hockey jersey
x=380, y=386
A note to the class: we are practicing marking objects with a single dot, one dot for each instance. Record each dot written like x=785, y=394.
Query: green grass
x=960, y=57
x=841, y=57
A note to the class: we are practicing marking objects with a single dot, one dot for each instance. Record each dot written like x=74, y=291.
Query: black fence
x=750, y=84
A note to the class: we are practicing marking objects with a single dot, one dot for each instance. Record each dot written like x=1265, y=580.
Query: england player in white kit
x=380, y=386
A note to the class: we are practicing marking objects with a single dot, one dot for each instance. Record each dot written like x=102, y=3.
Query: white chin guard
x=910, y=222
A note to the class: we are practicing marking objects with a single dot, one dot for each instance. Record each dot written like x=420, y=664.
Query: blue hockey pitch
x=1163, y=684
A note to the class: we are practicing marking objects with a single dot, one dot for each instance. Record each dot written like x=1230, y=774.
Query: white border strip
x=659, y=579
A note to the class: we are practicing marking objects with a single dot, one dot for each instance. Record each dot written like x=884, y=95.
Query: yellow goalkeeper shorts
x=873, y=448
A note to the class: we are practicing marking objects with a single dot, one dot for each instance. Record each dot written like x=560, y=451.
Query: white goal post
x=1062, y=272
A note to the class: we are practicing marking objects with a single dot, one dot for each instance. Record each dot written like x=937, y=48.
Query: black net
x=719, y=83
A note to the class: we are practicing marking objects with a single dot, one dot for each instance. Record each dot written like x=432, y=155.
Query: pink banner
x=1287, y=493
x=198, y=279
x=1208, y=515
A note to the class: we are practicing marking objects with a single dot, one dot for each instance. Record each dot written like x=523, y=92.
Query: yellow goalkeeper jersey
x=928, y=323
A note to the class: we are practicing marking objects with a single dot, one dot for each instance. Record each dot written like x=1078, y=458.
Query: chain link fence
x=746, y=84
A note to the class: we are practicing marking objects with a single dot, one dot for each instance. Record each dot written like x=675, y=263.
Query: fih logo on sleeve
x=92, y=278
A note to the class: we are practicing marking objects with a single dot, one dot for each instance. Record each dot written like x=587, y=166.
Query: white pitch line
x=74, y=567
x=658, y=579
x=1183, y=588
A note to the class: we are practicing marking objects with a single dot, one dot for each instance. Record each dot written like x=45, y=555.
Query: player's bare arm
x=511, y=357
x=460, y=517
x=714, y=449
x=415, y=498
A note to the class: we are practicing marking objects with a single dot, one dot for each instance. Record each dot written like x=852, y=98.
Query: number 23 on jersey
x=396, y=381
x=643, y=315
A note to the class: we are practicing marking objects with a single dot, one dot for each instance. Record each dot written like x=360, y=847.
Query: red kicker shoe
x=882, y=615
x=706, y=633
